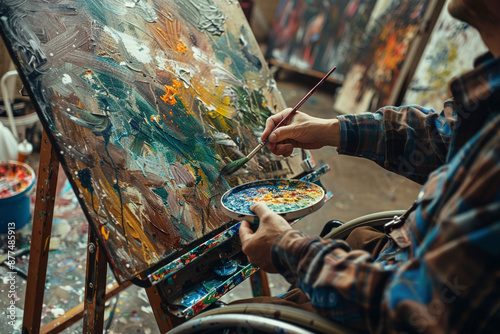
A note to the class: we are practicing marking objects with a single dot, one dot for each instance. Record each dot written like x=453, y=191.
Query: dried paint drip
x=281, y=196
x=14, y=179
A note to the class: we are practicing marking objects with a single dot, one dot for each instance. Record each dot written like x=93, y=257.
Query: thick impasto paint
x=451, y=51
x=145, y=101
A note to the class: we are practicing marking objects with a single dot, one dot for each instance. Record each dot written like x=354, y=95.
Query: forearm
x=410, y=141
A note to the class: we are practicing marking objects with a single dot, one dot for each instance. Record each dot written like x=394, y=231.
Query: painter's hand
x=257, y=245
x=302, y=131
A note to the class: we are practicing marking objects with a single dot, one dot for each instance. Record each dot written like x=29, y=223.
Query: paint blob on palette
x=291, y=199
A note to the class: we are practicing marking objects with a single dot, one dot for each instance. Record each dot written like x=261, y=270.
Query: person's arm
x=410, y=140
x=448, y=281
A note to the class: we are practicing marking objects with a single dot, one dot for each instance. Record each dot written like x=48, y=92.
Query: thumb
x=245, y=231
x=260, y=209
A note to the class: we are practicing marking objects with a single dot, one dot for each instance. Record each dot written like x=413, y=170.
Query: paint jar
x=23, y=150
x=17, y=180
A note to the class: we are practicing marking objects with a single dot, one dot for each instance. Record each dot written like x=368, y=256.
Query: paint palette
x=292, y=199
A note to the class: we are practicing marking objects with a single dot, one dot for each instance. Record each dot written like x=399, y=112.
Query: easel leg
x=95, y=287
x=164, y=320
x=40, y=237
x=260, y=284
x=76, y=313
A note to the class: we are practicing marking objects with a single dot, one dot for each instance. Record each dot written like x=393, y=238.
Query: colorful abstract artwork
x=319, y=34
x=451, y=51
x=145, y=102
x=392, y=27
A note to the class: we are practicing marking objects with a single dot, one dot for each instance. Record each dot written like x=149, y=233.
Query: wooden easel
x=92, y=309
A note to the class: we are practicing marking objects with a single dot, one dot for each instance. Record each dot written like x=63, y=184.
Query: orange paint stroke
x=181, y=47
x=162, y=34
x=103, y=232
x=170, y=92
x=169, y=96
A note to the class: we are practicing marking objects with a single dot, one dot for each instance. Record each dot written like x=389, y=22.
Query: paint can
x=24, y=149
x=17, y=180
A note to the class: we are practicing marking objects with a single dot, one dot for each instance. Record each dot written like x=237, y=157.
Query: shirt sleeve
x=445, y=282
x=343, y=285
x=411, y=140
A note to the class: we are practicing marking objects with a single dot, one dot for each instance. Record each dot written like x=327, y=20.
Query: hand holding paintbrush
x=237, y=164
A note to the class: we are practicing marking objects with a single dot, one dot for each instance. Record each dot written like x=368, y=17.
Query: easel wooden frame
x=92, y=309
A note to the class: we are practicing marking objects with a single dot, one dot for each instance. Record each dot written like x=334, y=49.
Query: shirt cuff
x=358, y=133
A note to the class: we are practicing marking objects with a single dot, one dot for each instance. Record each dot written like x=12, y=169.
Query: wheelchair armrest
x=377, y=219
x=329, y=227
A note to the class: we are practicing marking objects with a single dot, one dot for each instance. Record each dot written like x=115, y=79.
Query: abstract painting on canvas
x=145, y=102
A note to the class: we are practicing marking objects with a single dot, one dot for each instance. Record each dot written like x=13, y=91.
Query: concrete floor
x=358, y=186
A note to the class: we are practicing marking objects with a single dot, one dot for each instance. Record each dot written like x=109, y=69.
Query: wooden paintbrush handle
x=304, y=99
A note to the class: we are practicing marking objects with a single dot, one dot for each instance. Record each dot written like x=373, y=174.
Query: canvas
x=389, y=34
x=145, y=102
x=317, y=35
x=451, y=51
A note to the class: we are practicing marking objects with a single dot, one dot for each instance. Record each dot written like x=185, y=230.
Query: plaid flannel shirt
x=448, y=279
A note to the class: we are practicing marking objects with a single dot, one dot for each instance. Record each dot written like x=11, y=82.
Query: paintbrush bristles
x=235, y=165
x=232, y=167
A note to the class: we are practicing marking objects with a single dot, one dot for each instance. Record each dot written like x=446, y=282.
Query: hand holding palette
x=292, y=199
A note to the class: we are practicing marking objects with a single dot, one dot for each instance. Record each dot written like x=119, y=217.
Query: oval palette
x=292, y=199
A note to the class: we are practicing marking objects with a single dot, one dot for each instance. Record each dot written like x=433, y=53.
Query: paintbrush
x=237, y=164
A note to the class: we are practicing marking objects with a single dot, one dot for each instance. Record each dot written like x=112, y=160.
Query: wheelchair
x=258, y=318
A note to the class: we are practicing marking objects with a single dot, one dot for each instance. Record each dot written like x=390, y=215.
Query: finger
x=245, y=231
x=283, y=149
x=272, y=121
x=260, y=209
x=271, y=146
x=282, y=133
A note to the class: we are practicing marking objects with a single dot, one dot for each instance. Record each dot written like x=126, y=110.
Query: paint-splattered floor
x=359, y=187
